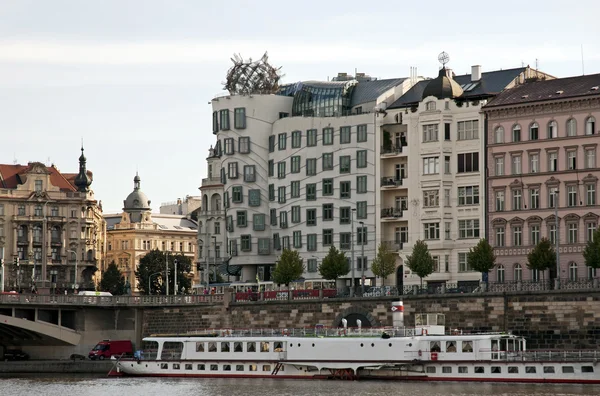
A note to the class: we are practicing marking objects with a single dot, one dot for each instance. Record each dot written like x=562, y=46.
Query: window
x=553, y=161
x=499, y=135
x=249, y=173
x=295, y=164
x=244, y=145
x=572, y=271
x=327, y=212
x=500, y=273
x=468, y=195
x=281, y=194
x=499, y=236
x=271, y=143
x=271, y=192
x=271, y=166
x=468, y=228
x=328, y=237
x=516, y=165
x=534, y=163
x=311, y=138
x=590, y=158
x=552, y=197
x=447, y=131
x=361, y=184
x=345, y=135
x=468, y=130
x=276, y=241
x=345, y=240
x=552, y=233
x=361, y=133
x=590, y=194
x=431, y=165
x=499, y=201
x=344, y=164
x=311, y=217
x=517, y=199
x=534, y=198
x=215, y=122
x=516, y=133
x=463, y=264
x=311, y=191
x=571, y=127
x=37, y=210
x=246, y=243
x=345, y=187
x=552, y=130
x=311, y=242
x=327, y=136
x=571, y=195
x=296, y=139
x=327, y=187
x=2, y=210
x=534, y=131
x=345, y=215
x=283, y=223
x=224, y=117
x=517, y=236
x=229, y=149
x=535, y=234
x=429, y=106
x=430, y=133
x=258, y=222
x=239, y=118
x=281, y=170
x=431, y=198
x=296, y=214
x=573, y=231
x=361, y=159
x=447, y=197
x=264, y=246
x=447, y=229
x=468, y=162
x=590, y=229
x=432, y=230
x=572, y=159
x=590, y=126
x=361, y=235
x=39, y=185
x=447, y=169
x=282, y=141
x=361, y=210
x=241, y=218
x=327, y=161
x=311, y=166
x=232, y=170
x=237, y=195
x=297, y=239
x=295, y=189
x=499, y=166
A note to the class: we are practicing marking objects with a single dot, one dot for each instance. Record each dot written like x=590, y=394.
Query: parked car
x=107, y=348
x=15, y=354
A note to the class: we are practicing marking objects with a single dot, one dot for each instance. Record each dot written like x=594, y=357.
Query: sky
x=134, y=79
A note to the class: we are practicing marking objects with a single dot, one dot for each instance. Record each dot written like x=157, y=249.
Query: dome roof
x=443, y=87
x=136, y=200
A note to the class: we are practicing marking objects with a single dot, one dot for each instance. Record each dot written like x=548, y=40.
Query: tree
x=481, y=258
x=384, y=263
x=591, y=253
x=542, y=257
x=420, y=261
x=289, y=267
x=334, y=265
x=152, y=266
x=113, y=280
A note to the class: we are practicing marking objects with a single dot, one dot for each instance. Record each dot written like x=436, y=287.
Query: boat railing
x=311, y=332
x=542, y=355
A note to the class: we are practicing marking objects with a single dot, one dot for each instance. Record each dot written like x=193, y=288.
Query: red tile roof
x=10, y=177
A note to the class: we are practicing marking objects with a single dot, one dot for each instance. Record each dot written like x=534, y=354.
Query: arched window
x=534, y=131
x=37, y=211
x=500, y=273
x=518, y=272
x=499, y=135
x=571, y=127
x=572, y=271
x=590, y=126
x=430, y=105
x=516, y=133
x=90, y=255
x=535, y=275
x=552, y=130
x=205, y=202
x=37, y=234
x=22, y=233
x=55, y=234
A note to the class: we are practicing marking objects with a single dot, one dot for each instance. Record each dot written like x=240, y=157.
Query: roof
x=413, y=95
x=369, y=91
x=171, y=223
x=443, y=87
x=12, y=176
x=560, y=88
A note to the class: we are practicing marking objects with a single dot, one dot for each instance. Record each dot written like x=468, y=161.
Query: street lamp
x=53, y=274
x=362, y=257
x=31, y=260
x=352, y=245
x=557, y=222
x=2, y=265
x=75, y=285
x=175, y=277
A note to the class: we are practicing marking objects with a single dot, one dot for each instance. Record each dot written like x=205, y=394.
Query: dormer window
x=429, y=106
x=39, y=185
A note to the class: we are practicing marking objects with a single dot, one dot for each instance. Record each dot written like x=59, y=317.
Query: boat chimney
x=398, y=314
x=359, y=325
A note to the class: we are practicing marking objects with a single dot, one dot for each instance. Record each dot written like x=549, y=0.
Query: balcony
x=393, y=246
x=56, y=242
x=209, y=181
x=391, y=214
x=22, y=241
x=390, y=182
x=211, y=213
x=393, y=150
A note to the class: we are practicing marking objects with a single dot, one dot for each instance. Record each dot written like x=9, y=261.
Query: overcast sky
x=133, y=78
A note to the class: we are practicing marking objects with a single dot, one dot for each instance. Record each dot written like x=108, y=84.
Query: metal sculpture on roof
x=252, y=77
x=444, y=58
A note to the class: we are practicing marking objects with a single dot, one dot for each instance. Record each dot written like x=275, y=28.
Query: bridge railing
x=73, y=299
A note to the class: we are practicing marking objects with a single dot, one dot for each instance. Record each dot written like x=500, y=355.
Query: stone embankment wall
x=549, y=320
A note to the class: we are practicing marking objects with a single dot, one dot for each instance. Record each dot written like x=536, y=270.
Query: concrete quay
x=56, y=366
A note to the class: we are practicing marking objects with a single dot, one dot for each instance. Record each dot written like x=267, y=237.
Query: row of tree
x=151, y=276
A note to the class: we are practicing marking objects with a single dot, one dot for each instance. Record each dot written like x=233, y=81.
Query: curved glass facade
x=322, y=99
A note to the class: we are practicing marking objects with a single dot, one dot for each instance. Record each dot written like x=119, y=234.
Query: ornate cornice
x=569, y=105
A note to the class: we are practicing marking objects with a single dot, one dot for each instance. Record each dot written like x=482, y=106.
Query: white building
x=183, y=207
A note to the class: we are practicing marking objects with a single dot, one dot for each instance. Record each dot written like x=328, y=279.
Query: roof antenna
x=15, y=162
x=582, y=65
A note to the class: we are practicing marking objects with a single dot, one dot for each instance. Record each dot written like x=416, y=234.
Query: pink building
x=542, y=149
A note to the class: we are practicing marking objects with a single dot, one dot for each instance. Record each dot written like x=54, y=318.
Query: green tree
x=385, y=262
x=591, y=253
x=481, y=258
x=542, y=257
x=420, y=261
x=289, y=267
x=113, y=280
x=153, y=265
x=334, y=265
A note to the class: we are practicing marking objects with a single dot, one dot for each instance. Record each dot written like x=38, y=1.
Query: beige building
x=52, y=231
x=135, y=232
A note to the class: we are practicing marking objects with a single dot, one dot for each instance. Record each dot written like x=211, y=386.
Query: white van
x=95, y=293
x=94, y=297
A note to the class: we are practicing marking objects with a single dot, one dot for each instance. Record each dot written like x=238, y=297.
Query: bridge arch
x=353, y=313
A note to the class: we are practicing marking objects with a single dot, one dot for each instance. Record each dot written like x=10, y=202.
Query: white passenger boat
x=424, y=352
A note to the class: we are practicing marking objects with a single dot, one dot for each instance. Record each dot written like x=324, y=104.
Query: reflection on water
x=94, y=386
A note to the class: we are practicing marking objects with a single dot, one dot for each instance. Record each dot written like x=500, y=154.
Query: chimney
x=475, y=73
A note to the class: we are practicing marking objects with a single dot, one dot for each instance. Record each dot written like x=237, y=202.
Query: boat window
x=430, y=369
x=447, y=370
x=434, y=346
x=201, y=367
x=549, y=369
x=266, y=367
x=264, y=346
x=587, y=369
x=450, y=346
x=479, y=370
x=199, y=347
x=188, y=366
x=226, y=367
x=530, y=369
x=251, y=347
x=150, y=350
x=496, y=370
x=164, y=366
x=463, y=369
x=212, y=346
x=467, y=346
x=214, y=367
x=224, y=347
x=513, y=370
x=171, y=350
x=252, y=367
x=176, y=366
x=278, y=346
x=237, y=346
x=568, y=369
x=239, y=367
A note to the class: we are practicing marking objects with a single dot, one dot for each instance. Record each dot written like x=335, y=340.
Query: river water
x=69, y=385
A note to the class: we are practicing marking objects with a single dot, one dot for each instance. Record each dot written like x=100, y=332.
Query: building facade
x=52, y=233
x=543, y=174
x=136, y=231
x=184, y=207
